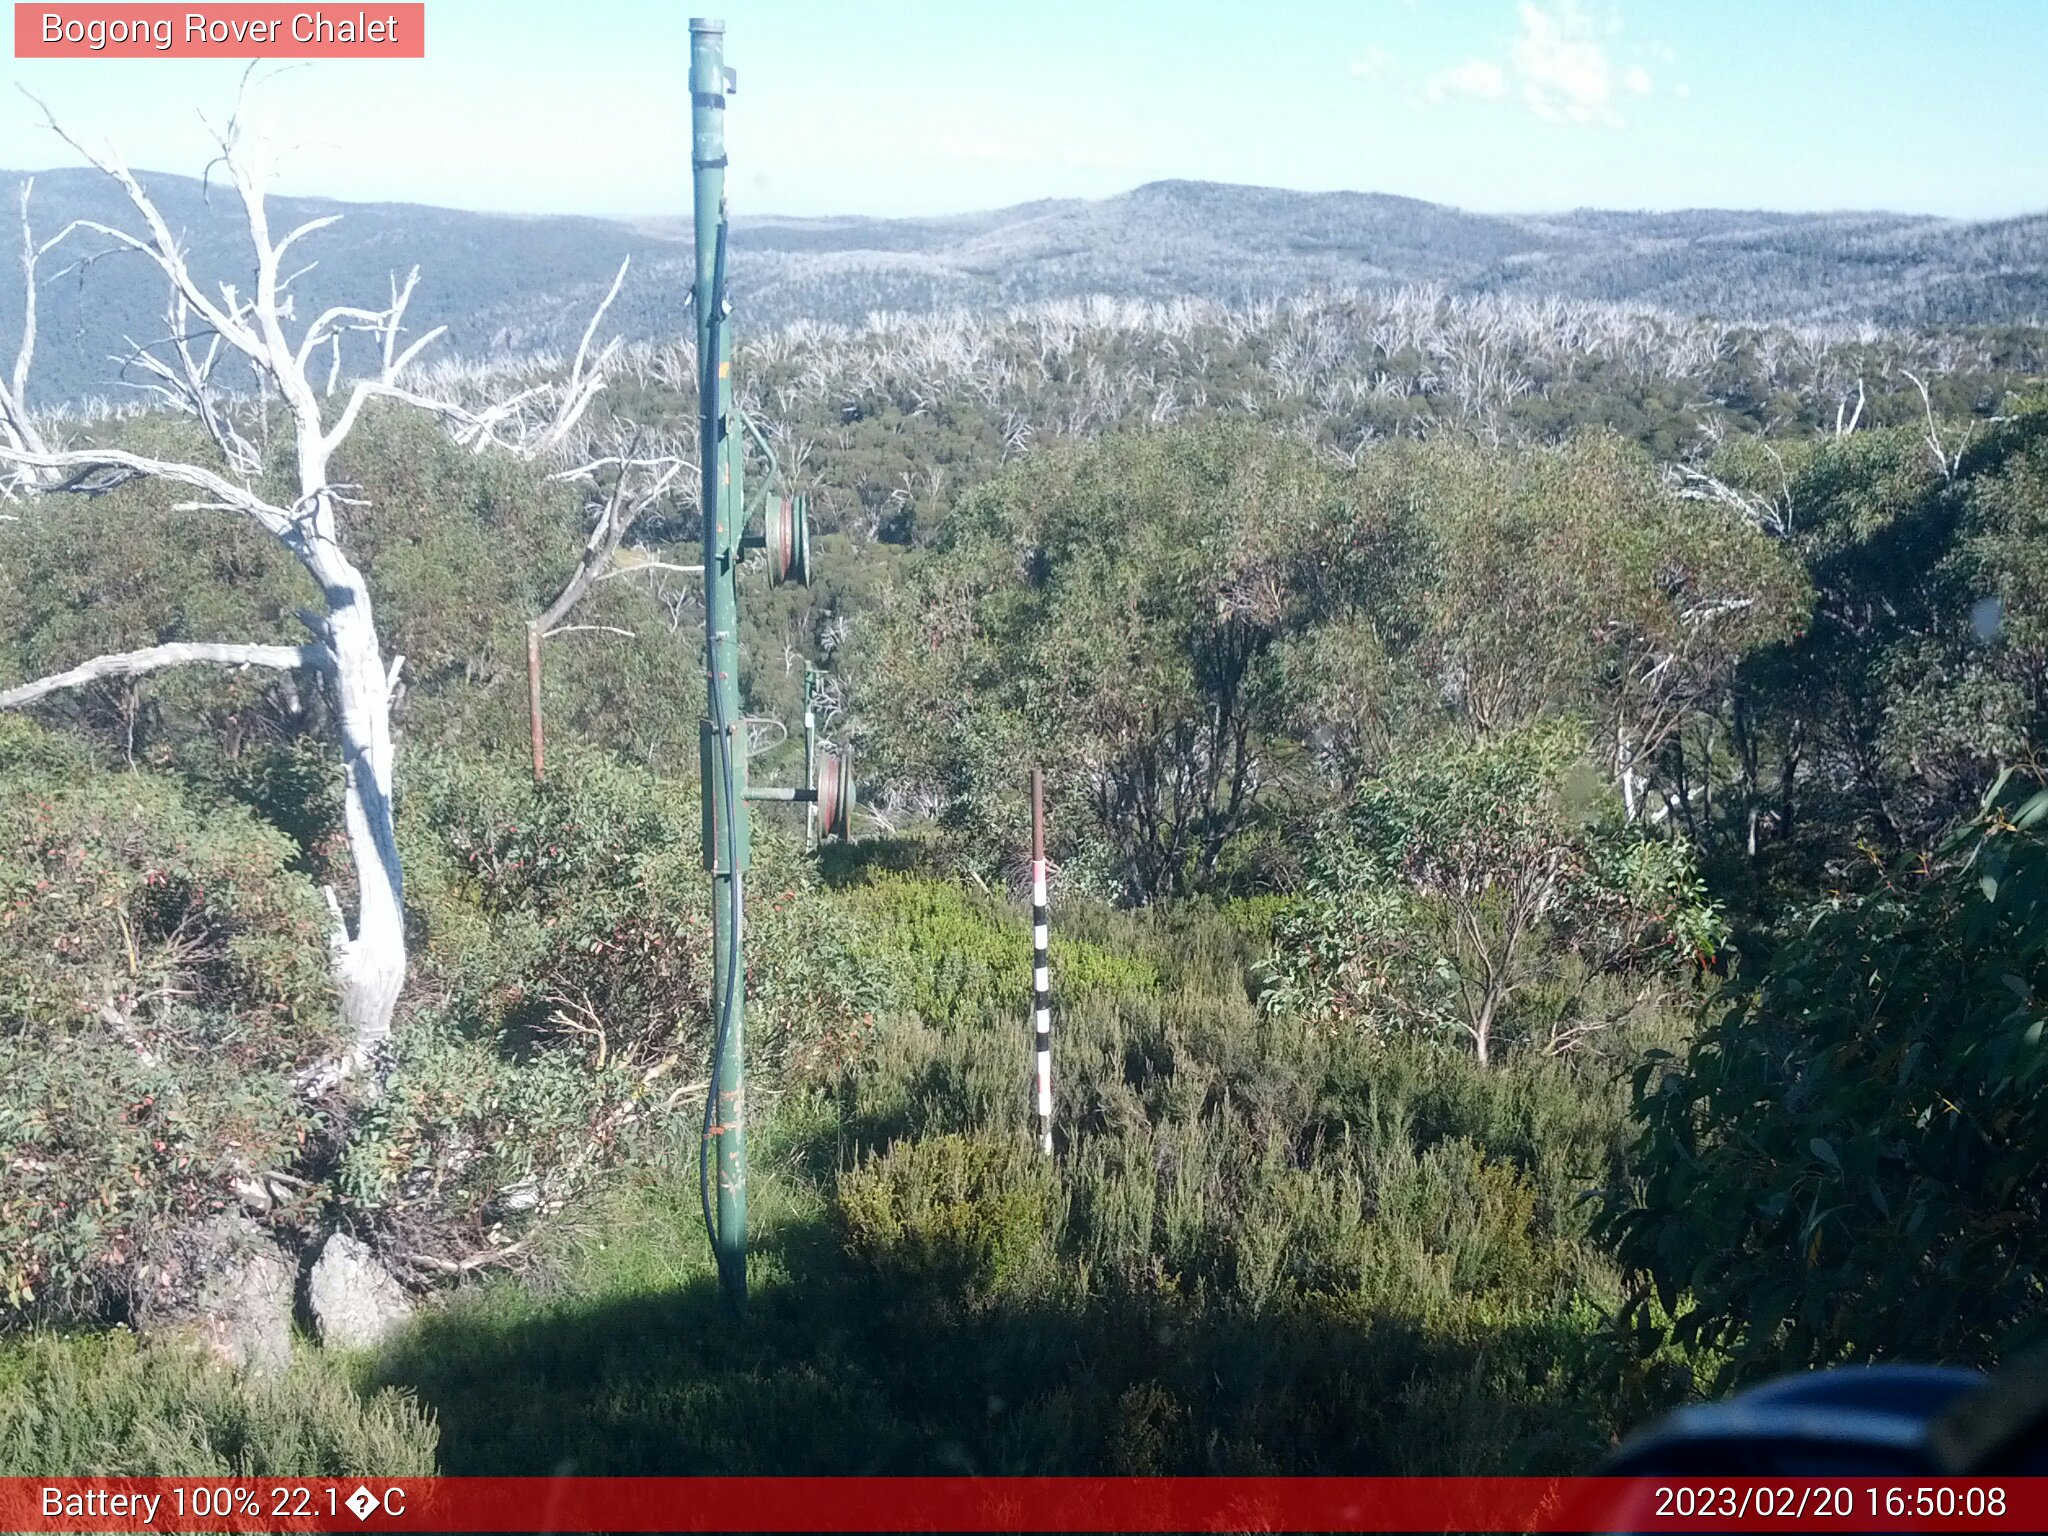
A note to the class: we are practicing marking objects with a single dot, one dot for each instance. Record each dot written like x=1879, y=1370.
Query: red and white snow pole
x=1041, y=966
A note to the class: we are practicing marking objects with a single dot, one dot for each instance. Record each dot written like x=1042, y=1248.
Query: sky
x=895, y=107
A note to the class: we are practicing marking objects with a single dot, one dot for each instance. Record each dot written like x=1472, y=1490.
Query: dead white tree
x=629, y=481
x=1770, y=514
x=210, y=324
x=1845, y=419
x=1946, y=462
x=18, y=428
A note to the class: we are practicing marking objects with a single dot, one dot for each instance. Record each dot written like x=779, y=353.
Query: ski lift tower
x=722, y=737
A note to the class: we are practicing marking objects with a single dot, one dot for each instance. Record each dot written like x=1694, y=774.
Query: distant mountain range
x=512, y=283
x=1230, y=242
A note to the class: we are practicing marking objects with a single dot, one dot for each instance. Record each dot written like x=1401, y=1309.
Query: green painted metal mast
x=722, y=733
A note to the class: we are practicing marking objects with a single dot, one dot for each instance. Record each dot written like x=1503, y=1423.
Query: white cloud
x=1564, y=75
x=1555, y=67
x=1475, y=77
x=1371, y=64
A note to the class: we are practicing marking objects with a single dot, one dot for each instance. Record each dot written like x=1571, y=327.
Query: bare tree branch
x=16, y=424
x=1772, y=516
x=637, y=482
x=582, y=387
x=157, y=657
x=1947, y=463
x=624, y=567
x=85, y=464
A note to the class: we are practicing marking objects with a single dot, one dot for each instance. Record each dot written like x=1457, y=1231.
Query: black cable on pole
x=722, y=1030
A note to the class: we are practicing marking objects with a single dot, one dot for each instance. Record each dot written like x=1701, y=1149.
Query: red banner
x=1051, y=1504
x=104, y=31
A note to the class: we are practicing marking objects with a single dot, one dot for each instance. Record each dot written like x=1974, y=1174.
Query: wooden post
x=533, y=693
x=1041, y=964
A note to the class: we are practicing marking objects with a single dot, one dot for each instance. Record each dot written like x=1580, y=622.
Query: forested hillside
x=1216, y=241
x=1547, y=819
x=513, y=285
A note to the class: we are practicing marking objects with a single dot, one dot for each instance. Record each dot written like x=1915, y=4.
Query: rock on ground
x=354, y=1300
x=229, y=1291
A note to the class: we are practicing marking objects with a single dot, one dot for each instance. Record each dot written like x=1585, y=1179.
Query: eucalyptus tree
x=1111, y=611
x=1571, y=580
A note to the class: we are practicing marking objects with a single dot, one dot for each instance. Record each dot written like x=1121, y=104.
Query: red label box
x=242, y=31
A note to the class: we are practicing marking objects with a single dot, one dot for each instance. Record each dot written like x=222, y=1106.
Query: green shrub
x=959, y=957
x=162, y=977
x=104, y=1406
x=556, y=909
x=464, y=1136
x=563, y=958
x=915, y=1080
x=130, y=568
x=1255, y=917
x=1148, y=1436
x=1847, y=1163
x=966, y=1215
x=1454, y=887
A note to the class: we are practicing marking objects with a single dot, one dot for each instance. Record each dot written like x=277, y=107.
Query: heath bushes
x=957, y=956
x=1264, y=1245
x=162, y=977
x=562, y=982
x=968, y=1215
x=1241, y=1156
x=95, y=1407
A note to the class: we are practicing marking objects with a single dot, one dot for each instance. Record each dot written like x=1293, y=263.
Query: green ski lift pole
x=785, y=543
x=722, y=734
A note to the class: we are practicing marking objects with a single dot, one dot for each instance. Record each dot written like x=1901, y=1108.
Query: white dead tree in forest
x=630, y=481
x=211, y=325
x=17, y=427
x=1946, y=462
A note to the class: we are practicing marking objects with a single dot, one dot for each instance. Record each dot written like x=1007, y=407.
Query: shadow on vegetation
x=845, y=864
x=834, y=1372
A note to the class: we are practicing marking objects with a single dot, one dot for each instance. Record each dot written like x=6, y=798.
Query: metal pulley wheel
x=787, y=540
x=835, y=796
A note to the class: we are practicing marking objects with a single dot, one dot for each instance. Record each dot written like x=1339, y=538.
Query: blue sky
x=925, y=106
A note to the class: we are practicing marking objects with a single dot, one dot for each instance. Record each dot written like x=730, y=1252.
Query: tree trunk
x=1625, y=768
x=370, y=963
